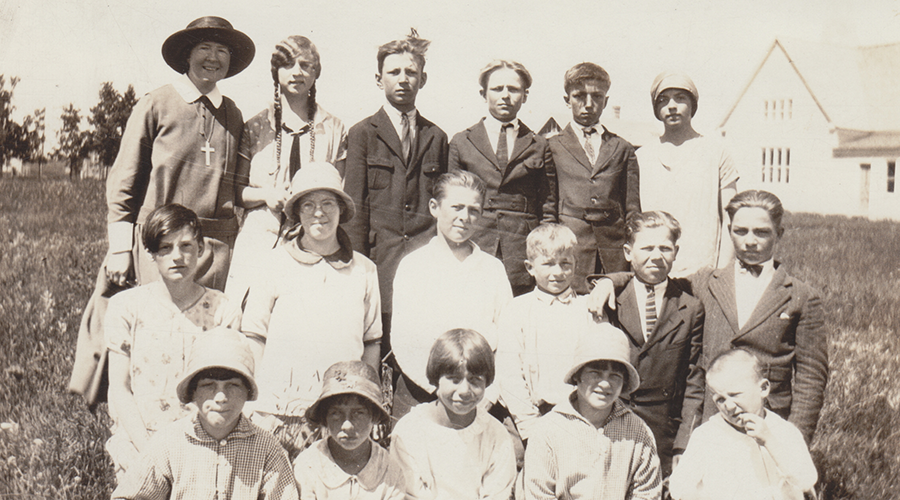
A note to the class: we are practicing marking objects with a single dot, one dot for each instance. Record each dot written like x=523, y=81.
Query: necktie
x=588, y=146
x=753, y=269
x=294, y=161
x=502, y=154
x=404, y=136
x=651, y=311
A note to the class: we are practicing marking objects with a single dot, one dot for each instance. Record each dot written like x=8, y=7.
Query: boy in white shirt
x=744, y=451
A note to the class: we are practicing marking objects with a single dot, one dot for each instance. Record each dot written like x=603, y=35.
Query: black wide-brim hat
x=176, y=48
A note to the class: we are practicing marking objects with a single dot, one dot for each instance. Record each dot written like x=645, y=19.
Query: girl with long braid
x=291, y=132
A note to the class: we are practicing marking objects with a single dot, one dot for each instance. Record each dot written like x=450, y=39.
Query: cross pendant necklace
x=206, y=149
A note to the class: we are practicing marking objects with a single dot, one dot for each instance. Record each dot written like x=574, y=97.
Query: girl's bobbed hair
x=460, y=349
x=166, y=220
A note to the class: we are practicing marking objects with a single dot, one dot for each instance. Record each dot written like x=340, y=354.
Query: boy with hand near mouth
x=744, y=451
x=215, y=452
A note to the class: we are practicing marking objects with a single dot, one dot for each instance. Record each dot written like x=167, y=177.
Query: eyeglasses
x=327, y=206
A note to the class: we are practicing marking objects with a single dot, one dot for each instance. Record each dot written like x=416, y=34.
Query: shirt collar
x=194, y=429
x=292, y=120
x=334, y=477
x=579, y=129
x=641, y=288
x=566, y=407
x=337, y=260
x=768, y=269
x=564, y=297
x=443, y=247
x=494, y=125
x=396, y=115
x=188, y=91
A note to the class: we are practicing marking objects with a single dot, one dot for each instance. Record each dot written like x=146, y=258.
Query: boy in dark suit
x=597, y=173
x=393, y=159
x=516, y=166
x=665, y=326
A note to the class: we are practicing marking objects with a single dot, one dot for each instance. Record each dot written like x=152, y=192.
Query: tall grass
x=52, y=236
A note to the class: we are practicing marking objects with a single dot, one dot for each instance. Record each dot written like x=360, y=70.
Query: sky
x=62, y=50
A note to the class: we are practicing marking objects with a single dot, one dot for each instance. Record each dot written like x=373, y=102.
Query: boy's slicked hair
x=724, y=360
x=494, y=65
x=461, y=178
x=755, y=198
x=637, y=222
x=412, y=44
x=457, y=349
x=548, y=240
x=215, y=373
x=583, y=72
x=166, y=220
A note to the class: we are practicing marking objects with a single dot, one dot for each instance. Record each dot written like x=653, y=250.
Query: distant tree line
x=106, y=122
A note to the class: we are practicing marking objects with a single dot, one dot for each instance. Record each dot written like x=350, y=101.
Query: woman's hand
x=275, y=198
x=119, y=267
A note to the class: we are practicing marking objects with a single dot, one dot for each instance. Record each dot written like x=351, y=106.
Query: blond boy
x=744, y=451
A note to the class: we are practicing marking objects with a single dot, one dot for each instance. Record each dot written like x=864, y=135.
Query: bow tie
x=753, y=269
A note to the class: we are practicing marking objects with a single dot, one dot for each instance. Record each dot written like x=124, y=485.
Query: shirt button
x=407, y=207
x=223, y=442
x=593, y=199
x=406, y=237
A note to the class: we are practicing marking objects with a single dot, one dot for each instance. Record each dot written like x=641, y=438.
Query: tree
x=13, y=136
x=108, y=118
x=72, y=140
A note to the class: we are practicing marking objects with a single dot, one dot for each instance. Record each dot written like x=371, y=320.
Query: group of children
x=388, y=246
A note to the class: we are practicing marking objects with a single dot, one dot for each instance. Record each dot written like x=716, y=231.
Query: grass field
x=52, y=238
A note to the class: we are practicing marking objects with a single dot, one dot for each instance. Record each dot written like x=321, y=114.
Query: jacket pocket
x=380, y=172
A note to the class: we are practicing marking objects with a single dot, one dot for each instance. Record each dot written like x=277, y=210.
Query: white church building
x=819, y=126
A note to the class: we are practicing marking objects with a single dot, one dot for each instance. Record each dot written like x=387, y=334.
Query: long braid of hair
x=277, y=125
x=311, y=115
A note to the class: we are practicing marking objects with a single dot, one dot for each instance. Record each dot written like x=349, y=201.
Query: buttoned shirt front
x=641, y=293
x=748, y=289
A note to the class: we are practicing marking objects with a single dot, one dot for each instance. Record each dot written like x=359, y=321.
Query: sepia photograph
x=505, y=249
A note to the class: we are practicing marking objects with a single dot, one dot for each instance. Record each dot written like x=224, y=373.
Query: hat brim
x=175, y=48
x=182, y=388
x=346, y=215
x=634, y=379
x=312, y=411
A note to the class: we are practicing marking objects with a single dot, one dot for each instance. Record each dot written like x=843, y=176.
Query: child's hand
x=756, y=427
x=602, y=296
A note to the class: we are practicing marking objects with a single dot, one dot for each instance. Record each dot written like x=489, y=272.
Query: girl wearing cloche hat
x=314, y=302
x=180, y=146
x=346, y=462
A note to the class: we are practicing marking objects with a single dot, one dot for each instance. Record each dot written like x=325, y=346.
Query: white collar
x=579, y=129
x=189, y=92
x=564, y=297
x=396, y=116
x=659, y=288
x=494, y=125
x=768, y=270
x=290, y=119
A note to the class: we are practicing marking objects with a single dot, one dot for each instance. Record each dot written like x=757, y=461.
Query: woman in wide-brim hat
x=180, y=146
x=314, y=302
x=292, y=131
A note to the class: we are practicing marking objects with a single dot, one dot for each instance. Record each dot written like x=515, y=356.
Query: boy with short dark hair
x=393, y=160
x=664, y=323
x=597, y=173
x=591, y=446
x=215, y=452
x=744, y=451
x=515, y=164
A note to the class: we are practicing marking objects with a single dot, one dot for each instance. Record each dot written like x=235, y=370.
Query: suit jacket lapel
x=604, y=154
x=629, y=314
x=721, y=286
x=776, y=294
x=424, y=136
x=671, y=317
x=523, y=140
x=386, y=131
x=570, y=141
x=477, y=135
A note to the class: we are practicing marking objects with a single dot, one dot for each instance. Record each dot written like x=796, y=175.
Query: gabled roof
x=856, y=88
